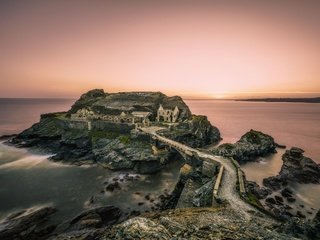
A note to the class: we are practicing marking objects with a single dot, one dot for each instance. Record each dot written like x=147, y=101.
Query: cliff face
x=116, y=145
x=197, y=132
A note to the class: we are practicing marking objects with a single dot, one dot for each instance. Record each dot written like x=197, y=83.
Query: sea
x=28, y=179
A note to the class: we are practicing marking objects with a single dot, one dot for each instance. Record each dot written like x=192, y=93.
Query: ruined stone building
x=136, y=117
x=82, y=114
x=167, y=115
x=133, y=117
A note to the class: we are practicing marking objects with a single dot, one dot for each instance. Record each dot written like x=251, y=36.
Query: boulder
x=271, y=200
x=203, y=195
x=187, y=195
x=251, y=145
x=286, y=193
x=142, y=228
x=97, y=217
x=28, y=224
x=274, y=183
x=298, y=168
x=117, y=154
x=278, y=199
x=254, y=188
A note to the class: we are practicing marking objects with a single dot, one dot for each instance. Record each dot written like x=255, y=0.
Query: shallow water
x=291, y=124
x=28, y=180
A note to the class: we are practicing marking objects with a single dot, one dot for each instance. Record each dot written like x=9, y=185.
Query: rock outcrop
x=29, y=224
x=197, y=132
x=296, y=168
x=142, y=228
x=303, y=229
x=96, y=217
x=251, y=145
x=192, y=223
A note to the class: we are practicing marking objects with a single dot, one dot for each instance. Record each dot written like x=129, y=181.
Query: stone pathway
x=228, y=184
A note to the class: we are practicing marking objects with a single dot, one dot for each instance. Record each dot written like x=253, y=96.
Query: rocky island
x=142, y=132
x=102, y=128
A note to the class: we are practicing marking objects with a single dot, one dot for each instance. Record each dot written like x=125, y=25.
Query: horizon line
x=184, y=98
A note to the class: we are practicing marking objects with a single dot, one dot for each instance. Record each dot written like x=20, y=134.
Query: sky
x=195, y=49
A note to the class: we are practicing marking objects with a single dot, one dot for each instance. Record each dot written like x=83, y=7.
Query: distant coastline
x=297, y=100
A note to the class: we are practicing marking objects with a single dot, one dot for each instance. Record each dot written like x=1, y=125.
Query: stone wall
x=100, y=125
x=122, y=128
x=82, y=125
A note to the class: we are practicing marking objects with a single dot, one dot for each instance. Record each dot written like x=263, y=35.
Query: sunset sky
x=196, y=49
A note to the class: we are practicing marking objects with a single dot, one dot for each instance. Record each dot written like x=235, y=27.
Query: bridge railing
x=240, y=175
x=218, y=183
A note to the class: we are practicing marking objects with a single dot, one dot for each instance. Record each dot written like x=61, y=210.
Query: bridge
x=229, y=175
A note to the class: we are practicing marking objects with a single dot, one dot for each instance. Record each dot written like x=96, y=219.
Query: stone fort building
x=167, y=115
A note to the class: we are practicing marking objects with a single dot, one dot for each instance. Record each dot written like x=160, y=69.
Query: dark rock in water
x=113, y=186
x=280, y=212
x=291, y=199
x=271, y=200
x=295, y=168
x=147, y=197
x=278, y=199
x=252, y=145
x=281, y=146
x=6, y=137
x=134, y=213
x=300, y=215
x=298, y=168
x=254, y=188
x=28, y=224
x=274, y=183
x=287, y=207
x=147, y=167
x=316, y=219
x=97, y=217
x=286, y=193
